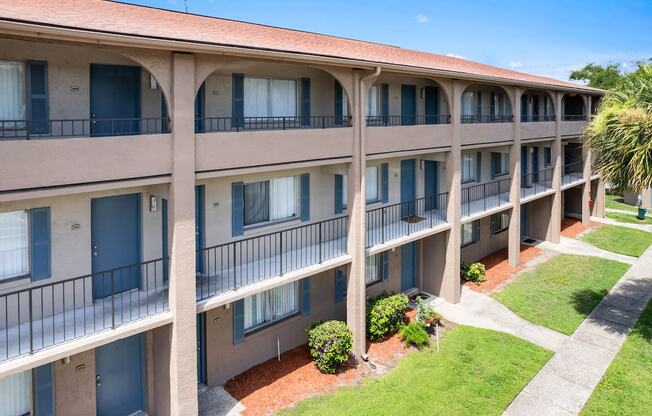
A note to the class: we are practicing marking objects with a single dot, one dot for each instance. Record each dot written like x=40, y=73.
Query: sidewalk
x=643, y=227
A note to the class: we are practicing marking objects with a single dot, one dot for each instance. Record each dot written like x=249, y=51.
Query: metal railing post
x=382, y=226
x=280, y=254
x=320, y=241
x=31, y=325
x=112, y=301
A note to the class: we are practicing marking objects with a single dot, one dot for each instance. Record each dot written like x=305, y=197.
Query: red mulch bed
x=571, y=227
x=499, y=270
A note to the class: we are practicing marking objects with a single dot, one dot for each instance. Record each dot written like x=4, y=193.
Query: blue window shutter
x=305, y=101
x=43, y=390
x=524, y=107
x=478, y=167
x=492, y=104
x=339, y=102
x=238, y=321
x=237, y=102
x=384, y=257
x=305, y=197
x=39, y=224
x=340, y=285
x=37, y=96
x=384, y=99
x=384, y=177
x=237, y=209
x=495, y=164
x=305, y=296
x=339, y=196
x=478, y=109
x=476, y=230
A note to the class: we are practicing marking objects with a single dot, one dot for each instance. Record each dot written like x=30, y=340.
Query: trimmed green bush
x=426, y=317
x=413, y=334
x=385, y=314
x=330, y=344
x=474, y=272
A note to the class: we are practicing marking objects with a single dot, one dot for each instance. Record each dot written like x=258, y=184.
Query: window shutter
x=384, y=173
x=237, y=109
x=495, y=164
x=523, y=107
x=476, y=230
x=43, y=390
x=238, y=321
x=384, y=100
x=305, y=296
x=37, y=96
x=305, y=197
x=385, y=265
x=478, y=167
x=39, y=224
x=339, y=188
x=340, y=285
x=478, y=104
x=237, y=209
x=493, y=104
x=305, y=101
x=338, y=102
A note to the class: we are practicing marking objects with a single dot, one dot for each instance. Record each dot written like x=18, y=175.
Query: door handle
x=98, y=381
x=94, y=253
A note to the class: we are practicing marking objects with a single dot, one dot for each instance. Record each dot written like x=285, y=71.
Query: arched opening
x=537, y=106
x=573, y=107
x=482, y=103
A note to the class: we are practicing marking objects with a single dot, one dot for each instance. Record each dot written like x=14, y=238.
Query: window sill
x=499, y=231
x=374, y=283
x=262, y=328
x=468, y=244
x=15, y=279
x=262, y=225
x=501, y=175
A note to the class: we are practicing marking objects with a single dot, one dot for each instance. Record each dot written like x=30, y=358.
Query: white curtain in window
x=345, y=191
x=12, y=91
x=14, y=257
x=283, y=97
x=371, y=269
x=467, y=103
x=371, y=183
x=256, y=97
x=467, y=233
x=345, y=104
x=16, y=394
x=270, y=305
x=282, y=198
x=506, y=110
x=372, y=101
x=468, y=167
x=504, y=162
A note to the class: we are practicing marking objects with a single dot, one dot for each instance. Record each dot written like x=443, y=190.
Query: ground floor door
x=408, y=187
x=119, y=377
x=201, y=348
x=431, y=182
x=525, y=228
x=408, y=266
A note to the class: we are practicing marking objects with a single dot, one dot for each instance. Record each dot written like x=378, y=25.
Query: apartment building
x=181, y=196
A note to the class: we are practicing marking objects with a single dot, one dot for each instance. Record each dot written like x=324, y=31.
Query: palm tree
x=620, y=135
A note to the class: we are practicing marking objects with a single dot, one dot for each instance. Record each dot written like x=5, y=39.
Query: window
x=271, y=200
x=16, y=394
x=499, y=222
x=265, y=97
x=372, y=101
x=470, y=232
x=547, y=156
x=468, y=167
x=372, y=193
x=547, y=106
x=14, y=246
x=373, y=272
x=499, y=164
x=271, y=305
x=467, y=103
x=345, y=192
x=12, y=91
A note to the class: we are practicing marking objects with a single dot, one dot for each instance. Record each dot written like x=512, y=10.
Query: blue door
x=119, y=377
x=524, y=167
x=115, y=239
x=431, y=103
x=199, y=227
x=201, y=348
x=408, y=104
x=408, y=187
x=408, y=266
x=535, y=165
x=165, y=252
x=524, y=221
x=115, y=100
x=431, y=184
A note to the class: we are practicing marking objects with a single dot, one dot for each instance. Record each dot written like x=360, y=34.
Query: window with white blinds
x=12, y=91
x=271, y=305
x=372, y=101
x=372, y=184
x=14, y=244
x=468, y=167
x=467, y=103
x=266, y=97
x=271, y=200
x=16, y=394
x=372, y=269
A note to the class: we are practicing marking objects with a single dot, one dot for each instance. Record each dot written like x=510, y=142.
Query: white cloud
x=422, y=18
x=452, y=55
x=515, y=64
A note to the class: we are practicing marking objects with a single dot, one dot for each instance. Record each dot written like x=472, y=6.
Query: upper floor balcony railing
x=407, y=120
x=533, y=118
x=573, y=172
x=574, y=117
x=236, y=124
x=230, y=266
x=485, y=196
x=405, y=218
x=53, y=313
x=534, y=183
x=486, y=118
x=93, y=127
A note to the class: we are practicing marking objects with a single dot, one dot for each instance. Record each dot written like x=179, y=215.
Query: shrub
x=413, y=334
x=330, y=344
x=385, y=314
x=427, y=317
x=474, y=272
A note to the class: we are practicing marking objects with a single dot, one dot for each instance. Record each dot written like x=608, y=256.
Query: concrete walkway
x=573, y=246
x=218, y=402
x=642, y=227
x=566, y=382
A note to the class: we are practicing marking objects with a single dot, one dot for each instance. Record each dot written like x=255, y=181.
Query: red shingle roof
x=127, y=19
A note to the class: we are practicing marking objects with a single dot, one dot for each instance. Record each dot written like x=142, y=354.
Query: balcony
x=405, y=218
x=54, y=313
x=574, y=117
x=486, y=118
x=535, y=183
x=537, y=118
x=407, y=120
x=93, y=127
x=573, y=172
x=485, y=196
x=231, y=266
x=236, y=124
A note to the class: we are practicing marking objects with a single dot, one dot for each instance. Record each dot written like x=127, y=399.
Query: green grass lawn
x=630, y=218
x=622, y=240
x=616, y=202
x=561, y=292
x=626, y=387
x=477, y=372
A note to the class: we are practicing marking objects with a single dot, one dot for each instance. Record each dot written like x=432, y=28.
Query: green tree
x=598, y=76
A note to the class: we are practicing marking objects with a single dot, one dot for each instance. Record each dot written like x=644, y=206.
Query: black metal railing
x=230, y=266
x=486, y=118
x=411, y=120
x=533, y=183
x=223, y=124
x=32, y=129
x=405, y=218
x=574, y=117
x=573, y=172
x=52, y=313
x=485, y=196
x=533, y=118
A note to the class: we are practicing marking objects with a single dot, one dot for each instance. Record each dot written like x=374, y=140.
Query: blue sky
x=549, y=38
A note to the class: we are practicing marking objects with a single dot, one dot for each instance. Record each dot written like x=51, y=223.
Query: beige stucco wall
x=631, y=197
x=487, y=244
x=539, y=216
x=572, y=128
x=572, y=201
x=75, y=386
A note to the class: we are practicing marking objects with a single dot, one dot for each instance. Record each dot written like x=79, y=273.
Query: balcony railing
x=53, y=313
x=574, y=117
x=231, y=124
x=534, y=183
x=486, y=118
x=573, y=172
x=485, y=196
x=33, y=129
x=230, y=266
x=401, y=120
x=405, y=218
x=533, y=118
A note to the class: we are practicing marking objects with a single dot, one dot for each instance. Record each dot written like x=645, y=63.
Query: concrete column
x=554, y=228
x=586, y=189
x=514, y=240
x=181, y=203
x=599, y=199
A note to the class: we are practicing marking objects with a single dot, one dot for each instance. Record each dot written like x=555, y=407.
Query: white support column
x=554, y=228
x=586, y=189
x=514, y=241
